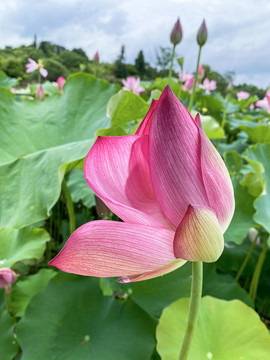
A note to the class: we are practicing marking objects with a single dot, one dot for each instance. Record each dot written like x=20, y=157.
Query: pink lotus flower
x=208, y=85
x=242, y=95
x=201, y=71
x=265, y=102
x=7, y=277
x=96, y=57
x=170, y=187
x=33, y=66
x=40, y=94
x=188, y=80
x=60, y=83
x=183, y=77
x=188, y=85
x=132, y=84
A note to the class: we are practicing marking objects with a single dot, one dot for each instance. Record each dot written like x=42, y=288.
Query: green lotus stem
x=242, y=268
x=258, y=269
x=195, y=81
x=70, y=208
x=194, y=304
x=8, y=302
x=170, y=72
x=223, y=118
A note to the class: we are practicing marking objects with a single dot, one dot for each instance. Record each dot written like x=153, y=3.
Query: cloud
x=238, y=31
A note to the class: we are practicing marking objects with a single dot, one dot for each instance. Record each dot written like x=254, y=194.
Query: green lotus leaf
x=242, y=219
x=258, y=156
x=24, y=290
x=23, y=244
x=123, y=108
x=226, y=330
x=6, y=81
x=8, y=343
x=79, y=189
x=71, y=319
x=37, y=140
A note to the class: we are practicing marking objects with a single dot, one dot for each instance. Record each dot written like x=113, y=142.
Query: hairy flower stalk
x=201, y=40
x=194, y=305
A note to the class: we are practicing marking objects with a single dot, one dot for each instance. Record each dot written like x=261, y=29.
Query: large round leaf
x=155, y=294
x=38, y=137
x=23, y=244
x=242, y=219
x=24, y=291
x=225, y=331
x=72, y=320
x=8, y=343
x=258, y=156
x=79, y=189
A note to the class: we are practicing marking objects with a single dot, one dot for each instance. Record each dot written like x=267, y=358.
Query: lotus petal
x=199, y=236
x=174, y=158
x=117, y=170
x=110, y=248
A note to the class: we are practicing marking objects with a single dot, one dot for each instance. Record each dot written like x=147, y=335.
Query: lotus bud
x=176, y=34
x=60, y=83
x=96, y=57
x=7, y=277
x=40, y=94
x=201, y=71
x=253, y=235
x=202, y=34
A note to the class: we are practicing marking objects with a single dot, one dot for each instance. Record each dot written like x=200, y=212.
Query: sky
x=238, y=30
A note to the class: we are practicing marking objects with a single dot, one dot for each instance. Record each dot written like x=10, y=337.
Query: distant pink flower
x=201, y=71
x=96, y=57
x=265, y=102
x=170, y=187
x=208, y=85
x=33, y=66
x=242, y=95
x=188, y=85
x=40, y=93
x=183, y=77
x=60, y=83
x=7, y=277
x=132, y=84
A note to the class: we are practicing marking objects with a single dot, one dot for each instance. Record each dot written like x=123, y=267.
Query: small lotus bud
x=176, y=34
x=40, y=94
x=202, y=34
x=7, y=277
x=253, y=235
x=60, y=83
x=201, y=71
x=96, y=57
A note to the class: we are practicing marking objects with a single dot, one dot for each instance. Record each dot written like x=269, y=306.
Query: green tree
x=55, y=69
x=120, y=66
x=140, y=64
x=163, y=57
